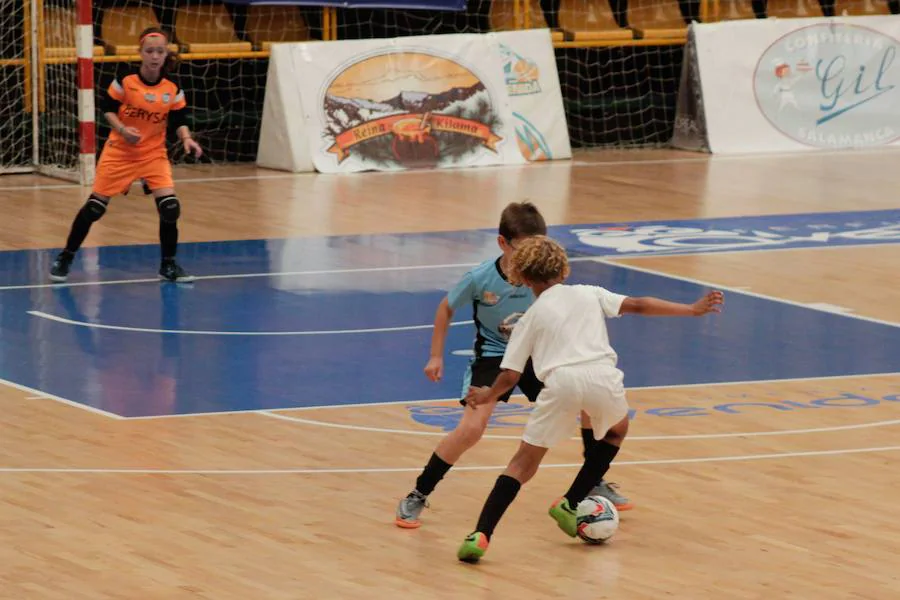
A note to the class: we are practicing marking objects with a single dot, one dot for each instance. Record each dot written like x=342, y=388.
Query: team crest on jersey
x=490, y=298
x=151, y=98
x=166, y=97
x=508, y=324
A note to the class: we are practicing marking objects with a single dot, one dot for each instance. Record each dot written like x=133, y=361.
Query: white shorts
x=595, y=388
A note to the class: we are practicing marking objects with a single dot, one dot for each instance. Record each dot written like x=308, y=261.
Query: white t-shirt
x=566, y=325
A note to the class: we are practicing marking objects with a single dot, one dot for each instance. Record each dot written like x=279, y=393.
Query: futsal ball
x=597, y=519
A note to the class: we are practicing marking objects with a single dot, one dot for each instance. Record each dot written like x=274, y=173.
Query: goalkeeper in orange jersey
x=138, y=106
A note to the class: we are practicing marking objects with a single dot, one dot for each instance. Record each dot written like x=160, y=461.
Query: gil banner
x=790, y=85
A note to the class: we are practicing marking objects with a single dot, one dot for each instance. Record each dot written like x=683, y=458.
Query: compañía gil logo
x=832, y=85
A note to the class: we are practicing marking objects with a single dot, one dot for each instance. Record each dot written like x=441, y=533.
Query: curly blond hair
x=538, y=259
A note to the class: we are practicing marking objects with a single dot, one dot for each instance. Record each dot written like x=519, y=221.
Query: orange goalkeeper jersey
x=146, y=106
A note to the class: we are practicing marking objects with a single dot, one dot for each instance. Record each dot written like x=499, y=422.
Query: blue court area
x=346, y=320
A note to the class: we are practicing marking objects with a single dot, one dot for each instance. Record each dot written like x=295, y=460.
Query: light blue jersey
x=496, y=305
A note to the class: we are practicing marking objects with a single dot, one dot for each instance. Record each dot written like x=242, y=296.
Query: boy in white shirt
x=564, y=333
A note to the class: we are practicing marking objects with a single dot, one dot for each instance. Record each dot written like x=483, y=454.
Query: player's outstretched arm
x=434, y=369
x=655, y=307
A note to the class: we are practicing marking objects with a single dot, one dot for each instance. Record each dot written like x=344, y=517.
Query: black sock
x=80, y=228
x=595, y=466
x=433, y=472
x=607, y=453
x=168, y=239
x=587, y=438
x=503, y=494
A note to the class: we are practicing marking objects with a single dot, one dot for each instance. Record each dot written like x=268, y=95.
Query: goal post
x=47, y=93
x=84, y=52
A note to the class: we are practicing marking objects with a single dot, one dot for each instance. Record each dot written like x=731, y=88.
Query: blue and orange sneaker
x=410, y=508
x=565, y=516
x=473, y=548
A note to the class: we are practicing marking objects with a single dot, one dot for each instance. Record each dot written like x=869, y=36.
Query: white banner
x=282, y=137
x=532, y=82
x=773, y=85
x=418, y=102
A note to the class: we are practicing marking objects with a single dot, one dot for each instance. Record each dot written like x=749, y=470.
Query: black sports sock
x=503, y=494
x=606, y=454
x=168, y=239
x=80, y=228
x=595, y=466
x=587, y=438
x=584, y=481
x=433, y=472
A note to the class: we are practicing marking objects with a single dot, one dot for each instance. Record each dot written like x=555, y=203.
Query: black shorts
x=483, y=371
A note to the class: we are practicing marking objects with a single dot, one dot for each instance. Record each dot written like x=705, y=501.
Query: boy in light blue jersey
x=497, y=305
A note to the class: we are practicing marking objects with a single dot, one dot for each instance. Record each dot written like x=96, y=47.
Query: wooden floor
x=800, y=504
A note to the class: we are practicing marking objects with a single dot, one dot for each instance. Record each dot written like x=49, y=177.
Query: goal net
x=224, y=59
x=619, y=63
x=38, y=88
x=15, y=89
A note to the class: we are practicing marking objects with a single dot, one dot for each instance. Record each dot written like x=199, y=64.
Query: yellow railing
x=522, y=18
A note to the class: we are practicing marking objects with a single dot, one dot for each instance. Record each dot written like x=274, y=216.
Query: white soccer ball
x=597, y=518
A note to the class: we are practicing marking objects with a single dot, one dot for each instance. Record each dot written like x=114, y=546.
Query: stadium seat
x=122, y=26
x=861, y=7
x=272, y=24
x=208, y=28
x=59, y=33
x=503, y=17
x=733, y=10
x=792, y=9
x=657, y=19
x=591, y=20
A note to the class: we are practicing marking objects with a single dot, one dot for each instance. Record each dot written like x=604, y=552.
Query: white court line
x=577, y=259
x=741, y=290
x=185, y=181
x=599, y=260
x=43, y=315
x=456, y=400
x=45, y=396
x=266, y=274
x=702, y=158
x=250, y=275
x=610, y=259
x=329, y=471
x=635, y=438
x=262, y=177
x=685, y=252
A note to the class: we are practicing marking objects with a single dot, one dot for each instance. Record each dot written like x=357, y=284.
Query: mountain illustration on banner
x=409, y=110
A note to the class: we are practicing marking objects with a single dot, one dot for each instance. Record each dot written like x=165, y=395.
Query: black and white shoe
x=169, y=270
x=59, y=270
